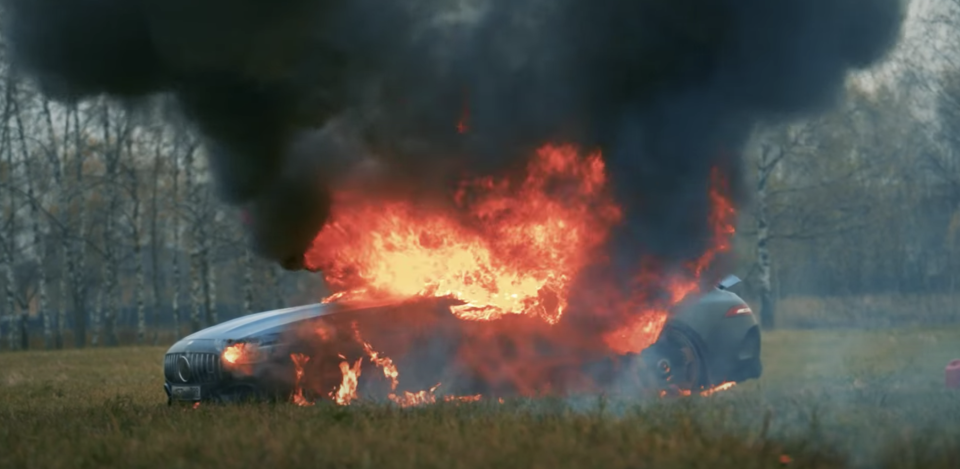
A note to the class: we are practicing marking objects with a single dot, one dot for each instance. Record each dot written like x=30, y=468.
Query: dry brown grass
x=828, y=399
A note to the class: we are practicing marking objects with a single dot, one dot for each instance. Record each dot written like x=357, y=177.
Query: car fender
x=719, y=335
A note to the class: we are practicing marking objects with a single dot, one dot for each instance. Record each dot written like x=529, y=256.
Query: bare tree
x=56, y=153
x=77, y=252
x=39, y=244
x=156, y=237
x=196, y=242
x=136, y=237
x=183, y=145
x=769, y=157
x=246, y=265
x=10, y=240
x=113, y=149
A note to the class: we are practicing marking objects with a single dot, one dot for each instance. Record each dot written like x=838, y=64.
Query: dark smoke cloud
x=667, y=88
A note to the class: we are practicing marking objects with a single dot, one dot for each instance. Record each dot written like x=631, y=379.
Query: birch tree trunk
x=110, y=267
x=247, y=266
x=206, y=225
x=109, y=317
x=11, y=302
x=156, y=238
x=97, y=313
x=765, y=165
x=177, y=282
x=10, y=240
x=39, y=245
x=136, y=231
x=279, y=301
x=10, y=295
x=61, y=308
x=39, y=254
x=196, y=287
x=63, y=201
x=77, y=260
x=23, y=328
x=188, y=147
x=209, y=286
x=196, y=236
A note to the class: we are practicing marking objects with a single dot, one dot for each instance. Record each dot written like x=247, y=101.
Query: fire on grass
x=502, y=248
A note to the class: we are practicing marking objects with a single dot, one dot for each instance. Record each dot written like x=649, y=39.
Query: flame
x=643, y=330
x=513, y=252
x=347, y=391
x=718, y=388
x=507, y=247
x=299, y=360
x=240, y=357
x=390, y=372
x=703, y=392
x=233, y=353
x=415, y=398
x=473, y=398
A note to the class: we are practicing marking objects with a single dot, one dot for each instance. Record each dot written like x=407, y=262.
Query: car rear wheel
x=676, y=360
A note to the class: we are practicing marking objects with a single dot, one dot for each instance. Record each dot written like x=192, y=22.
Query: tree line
x=109, y=222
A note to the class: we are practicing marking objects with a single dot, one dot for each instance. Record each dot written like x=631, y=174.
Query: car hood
x=260, y=324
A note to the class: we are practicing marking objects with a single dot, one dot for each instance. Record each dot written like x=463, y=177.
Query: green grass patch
x=828, y=399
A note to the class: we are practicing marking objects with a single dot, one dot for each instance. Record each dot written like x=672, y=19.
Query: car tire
x=678, y=360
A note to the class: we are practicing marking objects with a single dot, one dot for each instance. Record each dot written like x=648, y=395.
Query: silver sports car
x=709, y=339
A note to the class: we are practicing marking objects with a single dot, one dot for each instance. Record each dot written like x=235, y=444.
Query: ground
x=827, y=399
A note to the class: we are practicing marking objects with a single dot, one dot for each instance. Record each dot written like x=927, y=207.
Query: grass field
x=827, y=399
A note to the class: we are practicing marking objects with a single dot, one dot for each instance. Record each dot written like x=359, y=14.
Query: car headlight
x=241, y=353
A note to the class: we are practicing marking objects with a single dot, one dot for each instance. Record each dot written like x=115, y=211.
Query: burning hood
x=277, y=321
x=261, y=324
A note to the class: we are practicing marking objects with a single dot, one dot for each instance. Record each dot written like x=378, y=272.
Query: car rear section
x=709, y=340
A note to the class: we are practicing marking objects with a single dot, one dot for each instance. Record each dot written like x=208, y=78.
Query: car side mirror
x=728, y=282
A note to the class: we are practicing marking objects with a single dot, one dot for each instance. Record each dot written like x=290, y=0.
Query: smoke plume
x=292, y=95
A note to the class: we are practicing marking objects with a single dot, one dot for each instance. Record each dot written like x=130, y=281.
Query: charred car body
x=709, y=339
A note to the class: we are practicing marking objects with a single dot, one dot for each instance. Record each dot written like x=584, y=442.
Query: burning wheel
x=677, y=361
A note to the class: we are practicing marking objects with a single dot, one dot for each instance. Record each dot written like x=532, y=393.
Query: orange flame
x=390, y=372
x=718, y=388
x=239, y=357
x=703, y=392
x=643, y=329
x=233, y=353
x=415, y=398
x=504, y=247
x=514, y=252
x=473, y=398
x=347, y=391
x=299, y=360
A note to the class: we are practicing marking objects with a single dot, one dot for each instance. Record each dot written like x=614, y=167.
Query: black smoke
x=290, y=94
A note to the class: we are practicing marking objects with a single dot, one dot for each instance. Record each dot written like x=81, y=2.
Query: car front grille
x=197, y=368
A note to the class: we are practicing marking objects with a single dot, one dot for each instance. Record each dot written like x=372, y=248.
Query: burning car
x=506, y=289
x=324, y=351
